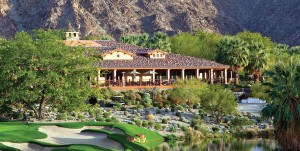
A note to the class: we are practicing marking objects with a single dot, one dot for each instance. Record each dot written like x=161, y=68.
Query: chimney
x=72, y=35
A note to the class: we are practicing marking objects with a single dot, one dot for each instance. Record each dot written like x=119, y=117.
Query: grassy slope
x=18, y=132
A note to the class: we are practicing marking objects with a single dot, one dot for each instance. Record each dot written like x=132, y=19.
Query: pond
x=231, y=144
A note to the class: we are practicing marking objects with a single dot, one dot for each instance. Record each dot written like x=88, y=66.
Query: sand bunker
x=64, y=136
x=28, y=146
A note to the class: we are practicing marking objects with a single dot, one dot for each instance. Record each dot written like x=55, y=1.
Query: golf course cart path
x=28, y=146
x=65, y=136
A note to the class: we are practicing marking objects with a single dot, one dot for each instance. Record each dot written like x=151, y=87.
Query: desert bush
x=164, y=121
x=195, y=122
x=100, y=119
x=145, y=124
x=215, y=129
x=158, y=111
x=62, y=116
x=150, y=117
x=18, y=116
x=138, y=123
x=151, y=123
x=178, y=114
x=158, y=126
x=106, y=114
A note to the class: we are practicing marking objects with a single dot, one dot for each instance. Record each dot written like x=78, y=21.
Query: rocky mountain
x=277, y=19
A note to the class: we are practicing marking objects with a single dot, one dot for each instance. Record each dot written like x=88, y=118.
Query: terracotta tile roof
x=141, y=61
x=107, y=46
x=174, y=61
x=84, y=43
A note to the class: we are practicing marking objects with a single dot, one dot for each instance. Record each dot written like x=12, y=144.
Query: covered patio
x=157, y=77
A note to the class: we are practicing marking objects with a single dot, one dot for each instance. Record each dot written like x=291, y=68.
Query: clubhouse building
x=127, y=66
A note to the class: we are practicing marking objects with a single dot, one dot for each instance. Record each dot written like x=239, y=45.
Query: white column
x=225, y=76
x=98, y=77
x=153, y=75
x=182, y=74
x=211, y=76
x=168, y=74
x=115, y=75
x=197, y=73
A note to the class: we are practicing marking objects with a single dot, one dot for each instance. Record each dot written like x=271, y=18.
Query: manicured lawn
x=20, y=133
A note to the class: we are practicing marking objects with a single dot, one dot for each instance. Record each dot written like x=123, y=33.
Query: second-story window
x=153, y=55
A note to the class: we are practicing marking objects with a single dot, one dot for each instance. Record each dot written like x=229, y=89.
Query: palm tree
x=257, y=59
x=160, y=41
x=284, y=107
x=233, y=52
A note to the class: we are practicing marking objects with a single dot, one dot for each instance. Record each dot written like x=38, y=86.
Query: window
x=157, y=55
x=75, y=35
x=153, y=55
x=118, y=55
x=70, y=34
x=161, y=55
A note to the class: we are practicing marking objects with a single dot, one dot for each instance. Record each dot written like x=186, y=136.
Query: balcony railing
x=121, y=83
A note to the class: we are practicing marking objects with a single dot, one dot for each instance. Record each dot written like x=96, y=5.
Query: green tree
x=187, y=92
x=218, y=101
x=200, y=44
x=249, y=37
x=98, y=37
x=136, y=39
x=39, y=69
x=257, y=59
x=160, y=41
x=238, y=122
x=259, y=91
x=284, y=106
x=294, y=50
x=233, y=52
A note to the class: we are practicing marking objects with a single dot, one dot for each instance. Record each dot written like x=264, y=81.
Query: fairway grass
x=18, y=132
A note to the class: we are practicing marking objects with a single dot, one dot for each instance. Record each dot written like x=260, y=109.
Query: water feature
x=231, y=144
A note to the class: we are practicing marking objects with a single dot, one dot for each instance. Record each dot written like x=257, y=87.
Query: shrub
x=164, y=121
x=196, y=122
x=180, y=108
x=173, y=129
x=123, y=108
x=18, y=116
x=150, y=117
x=171, y=138
x=62, y=116
x=184, y=128
x=151, y=123
x=145, y=124
x=114, y=119
x=178, y=114
x=158, y=111
x=215, y=129
x=69, y=118
x=259, y=119
x=147, y=112
x=100, y=119
x=92, y=113
x=158, y=126
x=99, y=111
x=108, y=120
x=106, y=114
x=139, y=107
x=80, y=117
x=138, y=123
x=189, y=136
